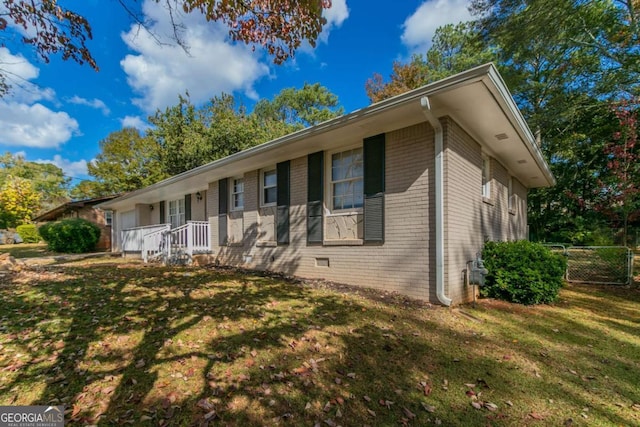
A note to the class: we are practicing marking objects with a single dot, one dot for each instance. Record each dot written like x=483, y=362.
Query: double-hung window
x=269, y=184
x=486, y=177
x=511, y=203
x=176, y=213
x=237, y=194
x=347, y=186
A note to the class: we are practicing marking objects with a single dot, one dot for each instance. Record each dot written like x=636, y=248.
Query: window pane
x=270, y=195
x=270, y=179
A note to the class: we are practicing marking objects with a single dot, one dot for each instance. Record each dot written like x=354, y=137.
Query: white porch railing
x=133, y=238
x=188, y=239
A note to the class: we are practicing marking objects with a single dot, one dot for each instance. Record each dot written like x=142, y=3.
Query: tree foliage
x=299, y=108
x=19, y=201
x=127, y=161
x=455, y=48
x=189, y=136
x=280, y=26
x=47, y=179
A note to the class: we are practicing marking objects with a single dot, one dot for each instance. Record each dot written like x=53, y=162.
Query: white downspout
x=439, y=172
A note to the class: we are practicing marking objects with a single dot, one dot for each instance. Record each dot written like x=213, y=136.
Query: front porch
x=161, y=243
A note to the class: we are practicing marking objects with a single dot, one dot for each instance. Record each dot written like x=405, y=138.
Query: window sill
x=512, y=211
x=266, y=244
x=345, y=213
x=349, y=242
x=235, y=244
x=270, y=205
x=487, y=200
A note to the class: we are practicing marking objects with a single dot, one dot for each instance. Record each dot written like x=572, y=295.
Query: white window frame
x=108, y=218
x=486, y=176
x=511, y=201
x=264, y=187
x=330, y=182
x=176, y=210
x=236, y=195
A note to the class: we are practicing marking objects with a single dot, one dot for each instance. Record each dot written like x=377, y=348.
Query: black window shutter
x=282, y=229
x=315, y=194
x=187, y=207
x=374, y=188
x=163, y=217
x=223, y=204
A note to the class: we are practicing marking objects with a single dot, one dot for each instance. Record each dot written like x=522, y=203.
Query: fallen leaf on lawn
x=373, y=414
x=508, y=402
x=573, y=372
x=205, y=404
x=636, y=406
x=428, y=408
x=427, y=389
x=145, y=418
x=140, y=363
x=408, y=413
x=386, y=403
x=338, y=381
x=470, y=393
x=470, y=385
x=536, y=416
x=330, y=423
x=351, y=375
x=307, y=406
x=476, y=405
x=108, y=390
x=367, y=398
x=327, y=407
x=338, y=413
x=491, y=406
x=210, y=415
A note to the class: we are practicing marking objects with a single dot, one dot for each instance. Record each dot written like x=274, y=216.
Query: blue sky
x=58, y=112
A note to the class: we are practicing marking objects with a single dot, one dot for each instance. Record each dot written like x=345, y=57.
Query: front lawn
x=26, y=250
x=121, y=343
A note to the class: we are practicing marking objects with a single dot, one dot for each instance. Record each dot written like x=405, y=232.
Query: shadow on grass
x=128, y=344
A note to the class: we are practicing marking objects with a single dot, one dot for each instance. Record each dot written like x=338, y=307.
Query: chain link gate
x=604, y=265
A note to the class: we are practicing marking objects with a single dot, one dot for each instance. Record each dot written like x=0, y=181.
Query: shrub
x=28, y=233
x=522, y=272
x=70, y=235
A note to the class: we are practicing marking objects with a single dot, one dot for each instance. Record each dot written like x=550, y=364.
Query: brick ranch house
x=399, y=195
x=85, y=209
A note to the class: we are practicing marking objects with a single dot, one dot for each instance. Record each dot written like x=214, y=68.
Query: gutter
x=439, y=202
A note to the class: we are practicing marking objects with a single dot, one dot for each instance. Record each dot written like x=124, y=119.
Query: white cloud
x=335, y=15
x=159, y=73
x=69, y=167
x=34, y=125
x=134, y=122
x=18, y=71
x=420, y=27
x=93, y=103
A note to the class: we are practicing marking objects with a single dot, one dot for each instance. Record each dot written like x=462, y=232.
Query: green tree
x=280, y=26
x=190, y=136
x=455, y=48
x=300, y=108
x=87, y=189
x=127, y=161
x=47, y=179
x=19, y=202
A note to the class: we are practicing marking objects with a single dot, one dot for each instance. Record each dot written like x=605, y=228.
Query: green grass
x=123, y=343
x=26, y=250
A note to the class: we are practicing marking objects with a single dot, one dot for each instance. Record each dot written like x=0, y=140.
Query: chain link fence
x=606, y=265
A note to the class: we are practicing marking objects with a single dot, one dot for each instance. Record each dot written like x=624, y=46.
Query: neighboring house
x=399, y=195
x=85, y=209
